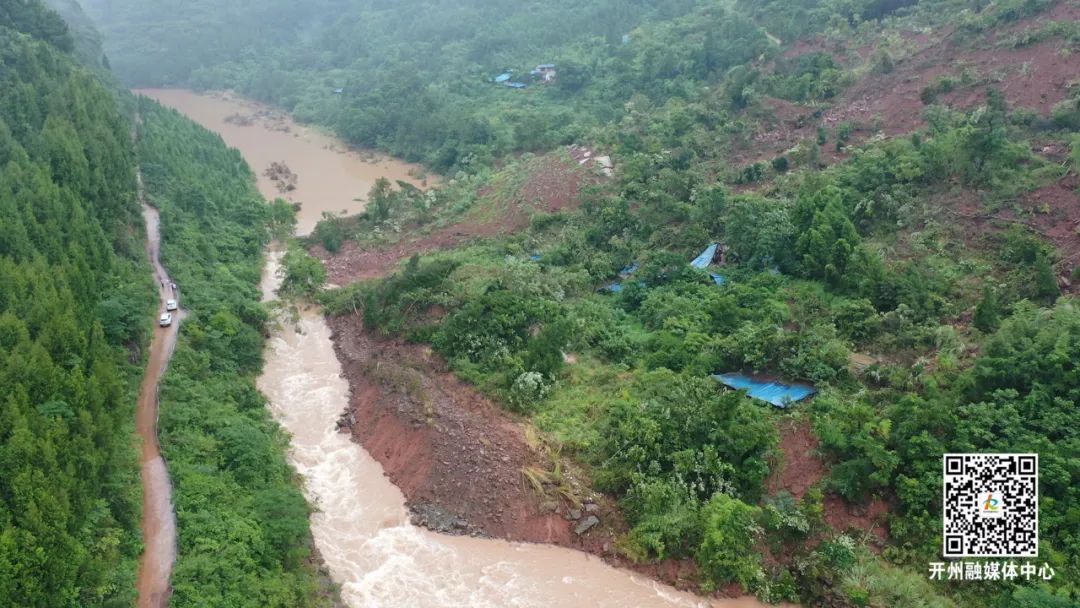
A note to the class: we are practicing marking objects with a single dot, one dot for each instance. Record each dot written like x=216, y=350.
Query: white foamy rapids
x=361, y=526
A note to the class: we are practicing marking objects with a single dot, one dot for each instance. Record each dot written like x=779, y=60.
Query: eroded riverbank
x=362, y=527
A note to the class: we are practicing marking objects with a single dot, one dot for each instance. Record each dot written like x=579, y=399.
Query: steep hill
x=892, y=186
x=76, y=307
x=897, y=200
x=75, y=302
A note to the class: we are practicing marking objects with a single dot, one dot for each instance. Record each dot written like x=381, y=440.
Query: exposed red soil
x=552, y=186
x=1062, y=224
x=355, y=263
x=1053, y=211
x=871, y=517
x=1035, y=77
x=802, y=467
x=438, y=438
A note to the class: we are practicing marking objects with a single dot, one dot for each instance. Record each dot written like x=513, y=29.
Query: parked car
x=165, y=320
x=170, y=305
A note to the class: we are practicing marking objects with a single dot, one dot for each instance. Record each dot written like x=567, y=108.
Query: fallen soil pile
x=802, y=467
x=269, y=118
x=554, y=185
x=1034, y=76
x=459, y=459
x=282, y=176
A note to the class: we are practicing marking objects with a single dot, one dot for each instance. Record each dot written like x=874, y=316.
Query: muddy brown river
x=329, y=176
x=361, y=526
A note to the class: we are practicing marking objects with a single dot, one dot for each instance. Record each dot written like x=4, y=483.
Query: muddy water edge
x=361, y=526
x=291, y=161
x=159, y=520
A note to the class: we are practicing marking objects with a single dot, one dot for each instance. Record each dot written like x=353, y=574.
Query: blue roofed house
x=779, y=394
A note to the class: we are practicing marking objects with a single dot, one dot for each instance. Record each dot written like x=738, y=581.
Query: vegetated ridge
x=946, y=229
x=75, y=310
x=893, y=184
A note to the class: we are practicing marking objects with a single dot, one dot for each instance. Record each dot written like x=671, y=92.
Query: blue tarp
x=780, y=394
x=515, y=85
x=535, y=257
x=503, y=77
x=618, y=286
x=703, y=260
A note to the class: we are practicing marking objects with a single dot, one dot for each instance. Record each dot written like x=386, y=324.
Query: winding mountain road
x=159, y=520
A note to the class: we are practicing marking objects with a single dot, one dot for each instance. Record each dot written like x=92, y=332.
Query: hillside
x=892, y=186
x=898, y=203
x=242, y=522
x=75, y=303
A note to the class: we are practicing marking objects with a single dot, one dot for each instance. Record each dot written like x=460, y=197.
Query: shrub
x=727, y=547
x=528, y=389
x=751, y=173
x=303, y=274
x=987, y=312
x=667, y=519
x=329, y=232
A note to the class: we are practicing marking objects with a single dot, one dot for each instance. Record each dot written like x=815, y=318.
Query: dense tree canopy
x=75, y=301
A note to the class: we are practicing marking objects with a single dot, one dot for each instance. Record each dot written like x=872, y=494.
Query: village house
x=545, y=72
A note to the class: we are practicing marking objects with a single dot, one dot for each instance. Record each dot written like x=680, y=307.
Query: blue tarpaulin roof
x=780, y=394
x=515, y=85
x=719, y=279
x=503, y=77
x=535, y=257
x=703, y=260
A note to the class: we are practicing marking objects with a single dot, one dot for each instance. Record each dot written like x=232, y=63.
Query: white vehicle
x=165, y=320
x=170, y=305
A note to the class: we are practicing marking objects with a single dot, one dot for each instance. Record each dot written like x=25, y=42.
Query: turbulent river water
x=361, y=526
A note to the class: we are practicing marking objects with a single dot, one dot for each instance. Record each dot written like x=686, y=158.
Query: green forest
x=75, y=309
x=916, y=262
x=77, y=304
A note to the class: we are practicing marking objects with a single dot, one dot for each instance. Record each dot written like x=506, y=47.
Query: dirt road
x=159, y=521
